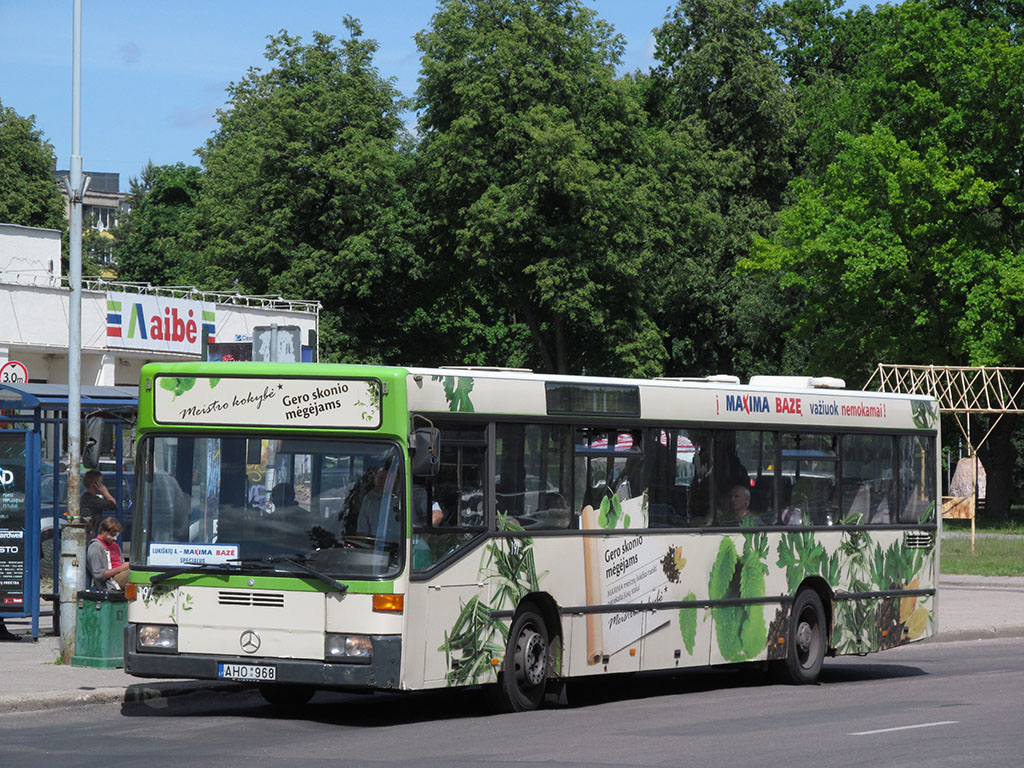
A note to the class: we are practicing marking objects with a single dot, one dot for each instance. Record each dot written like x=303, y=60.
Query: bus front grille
x=251, y=599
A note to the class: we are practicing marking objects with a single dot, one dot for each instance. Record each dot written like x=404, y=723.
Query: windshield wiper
x=270, y=560
x=226, y=567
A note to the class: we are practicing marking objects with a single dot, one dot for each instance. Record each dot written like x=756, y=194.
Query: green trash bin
x=99, y=635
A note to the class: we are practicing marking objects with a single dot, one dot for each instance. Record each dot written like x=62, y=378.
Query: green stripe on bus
x=297, y=583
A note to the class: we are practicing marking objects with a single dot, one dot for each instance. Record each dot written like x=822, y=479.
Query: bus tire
x=524, y=674
x=807, y=638
x=287, y=696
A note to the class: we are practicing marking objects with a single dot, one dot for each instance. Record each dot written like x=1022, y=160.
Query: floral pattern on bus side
x=164, y=600
x=860, y=626
x=477, y=637
x=923, y=413
x=456, y=392
x=179, y=385
x=861, y=563
x=739, y=629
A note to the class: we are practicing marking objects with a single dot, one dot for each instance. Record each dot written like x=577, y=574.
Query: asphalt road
x=939, y=705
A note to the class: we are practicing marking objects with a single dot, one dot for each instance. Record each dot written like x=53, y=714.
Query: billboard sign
x=159, y=323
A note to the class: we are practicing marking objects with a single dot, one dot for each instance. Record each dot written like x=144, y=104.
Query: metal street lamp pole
x=72, y=534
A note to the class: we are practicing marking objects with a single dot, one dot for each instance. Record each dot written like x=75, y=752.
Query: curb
x=132, y=694
x=1009, y=632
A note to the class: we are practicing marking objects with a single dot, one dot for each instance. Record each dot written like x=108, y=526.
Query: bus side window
x=698, y=485
x=867, y=479
x=811, y=461
x=532, y=483
x=756, y=451
x=916, y=480
x=459, y=489
x=608, y=463
x=670, y=457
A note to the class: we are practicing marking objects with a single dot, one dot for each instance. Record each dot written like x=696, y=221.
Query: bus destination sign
x=267, y=402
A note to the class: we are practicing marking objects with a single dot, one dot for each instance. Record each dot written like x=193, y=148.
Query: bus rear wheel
x=807, y=641
x=525, y=674
x=287, y=696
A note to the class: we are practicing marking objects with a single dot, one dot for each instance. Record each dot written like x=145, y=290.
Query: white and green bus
x=304, y=527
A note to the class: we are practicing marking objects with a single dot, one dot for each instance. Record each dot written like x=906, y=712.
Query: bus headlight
x=158, y=637
x=353, y=649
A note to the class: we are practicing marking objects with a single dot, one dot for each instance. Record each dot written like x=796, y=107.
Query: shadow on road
x=390, y=709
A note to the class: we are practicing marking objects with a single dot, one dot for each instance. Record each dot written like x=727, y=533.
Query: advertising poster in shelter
x=12, y=522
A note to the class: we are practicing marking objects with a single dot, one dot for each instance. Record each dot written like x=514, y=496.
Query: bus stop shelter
x=33, y=484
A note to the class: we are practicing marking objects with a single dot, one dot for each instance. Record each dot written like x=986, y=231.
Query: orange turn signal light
x=389, y=603
x=131, y=591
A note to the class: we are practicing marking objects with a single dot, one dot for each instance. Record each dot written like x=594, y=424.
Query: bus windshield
x=334, y=504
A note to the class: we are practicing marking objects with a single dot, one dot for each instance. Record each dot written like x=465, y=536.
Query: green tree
x=717, y=62
x=155, y=241
x=28, y=194
x=909, y=249
x=719, y=90
x=304, y=193
x=820, y=49
x=530, y=174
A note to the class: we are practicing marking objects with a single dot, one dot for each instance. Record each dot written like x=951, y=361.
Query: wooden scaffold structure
x=963, y=392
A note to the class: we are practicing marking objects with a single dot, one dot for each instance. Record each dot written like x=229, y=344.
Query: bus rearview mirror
x=425, y=443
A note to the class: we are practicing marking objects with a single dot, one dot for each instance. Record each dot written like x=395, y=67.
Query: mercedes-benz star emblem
x=249, y=641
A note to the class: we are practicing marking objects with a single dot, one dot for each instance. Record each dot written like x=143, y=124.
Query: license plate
x=258, y=672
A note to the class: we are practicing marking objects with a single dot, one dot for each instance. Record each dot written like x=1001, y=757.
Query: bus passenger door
x=450, y=595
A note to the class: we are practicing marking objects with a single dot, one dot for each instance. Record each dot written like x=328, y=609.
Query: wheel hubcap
x=531, y=653
x=805, y=639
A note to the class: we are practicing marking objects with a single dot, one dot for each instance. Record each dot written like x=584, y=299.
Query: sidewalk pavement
x=970, y=608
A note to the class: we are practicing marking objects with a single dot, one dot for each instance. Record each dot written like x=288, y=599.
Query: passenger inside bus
x=735, y=506
x=379, y=500
x=420, y=503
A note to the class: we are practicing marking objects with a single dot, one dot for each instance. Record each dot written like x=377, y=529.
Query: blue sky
x=154, y=73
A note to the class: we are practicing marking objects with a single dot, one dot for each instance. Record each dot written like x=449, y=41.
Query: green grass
x=1013, y=525
x=991, y=557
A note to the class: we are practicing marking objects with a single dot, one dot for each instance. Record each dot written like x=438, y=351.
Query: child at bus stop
x=107, y=568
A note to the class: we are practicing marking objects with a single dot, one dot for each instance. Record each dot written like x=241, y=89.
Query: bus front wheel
x=807, y=641
x=525, y=673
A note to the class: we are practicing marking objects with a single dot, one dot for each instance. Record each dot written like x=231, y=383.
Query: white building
x=123, y=324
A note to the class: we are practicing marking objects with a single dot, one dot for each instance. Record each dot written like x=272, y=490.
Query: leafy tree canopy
x=530, y=150
x=304, y=192
x=155, y=241
x=909, y=248
x=28, y=194
x=718, y=63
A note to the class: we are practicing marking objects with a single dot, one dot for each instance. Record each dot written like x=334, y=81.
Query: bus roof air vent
x=828, y=382
x=798, y=382
x=487, y=368
x=717, y=378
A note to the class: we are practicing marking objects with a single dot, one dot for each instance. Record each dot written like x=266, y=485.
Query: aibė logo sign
x=159, y=323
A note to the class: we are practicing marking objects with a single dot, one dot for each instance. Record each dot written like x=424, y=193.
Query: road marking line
x=905, y=728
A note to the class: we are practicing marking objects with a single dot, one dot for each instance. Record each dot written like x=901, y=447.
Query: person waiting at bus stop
x=107, y=568
x=6, y=636
x=96, y=500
